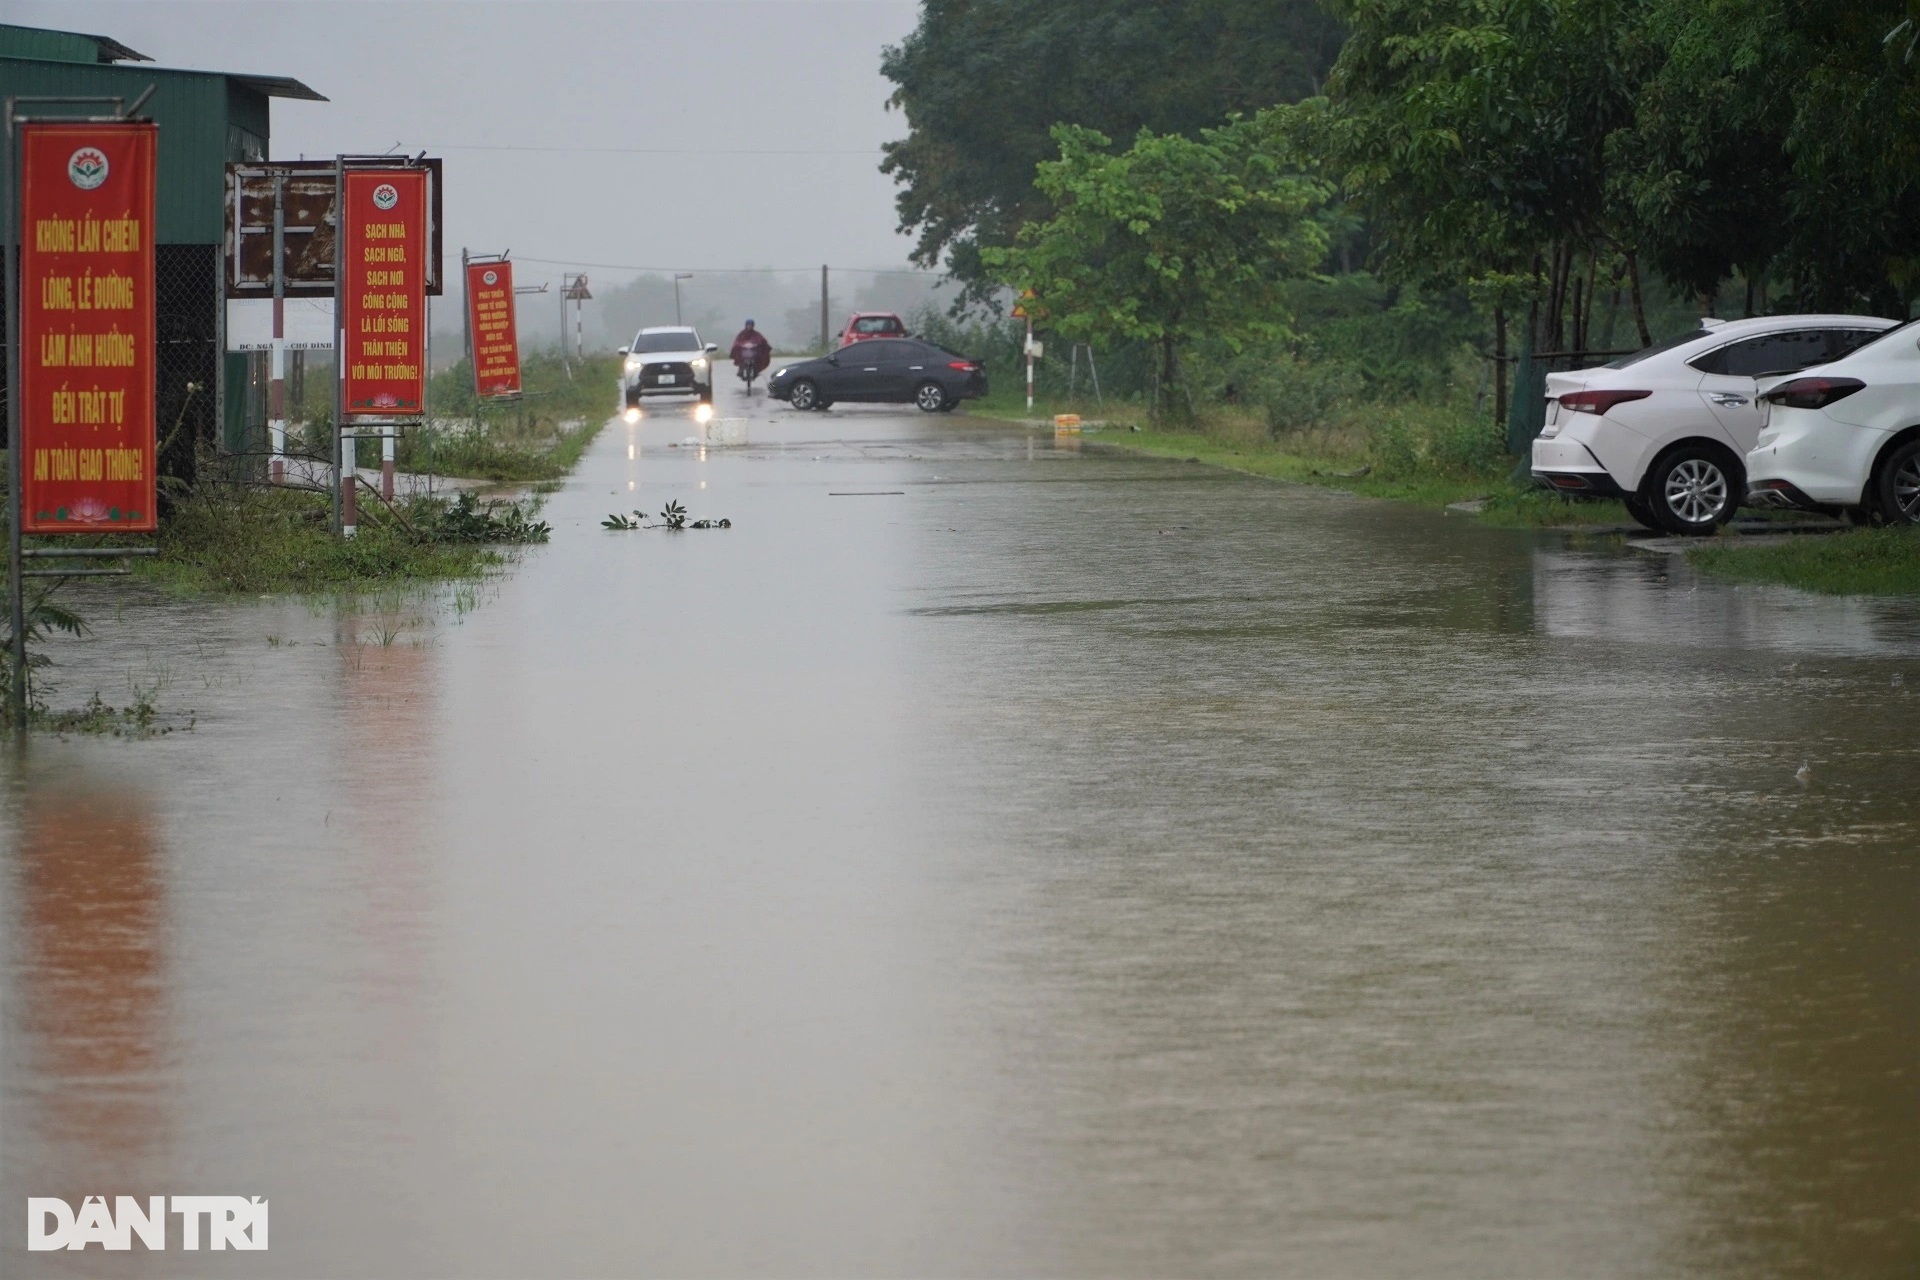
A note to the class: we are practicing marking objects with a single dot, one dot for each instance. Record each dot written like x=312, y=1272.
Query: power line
x=657, y=151
x=727, y=271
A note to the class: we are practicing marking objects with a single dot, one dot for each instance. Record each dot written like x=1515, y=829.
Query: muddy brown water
x=1069, y=864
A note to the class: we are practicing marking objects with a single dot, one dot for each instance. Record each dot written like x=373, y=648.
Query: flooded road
x=985, y=859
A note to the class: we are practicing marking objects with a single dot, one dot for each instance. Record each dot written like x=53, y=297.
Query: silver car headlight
x=633, y=364
x=699, y=362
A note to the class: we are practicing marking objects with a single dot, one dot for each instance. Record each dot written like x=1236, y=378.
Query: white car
x=1846, y=437
x=1666, y=430
x=668, y=360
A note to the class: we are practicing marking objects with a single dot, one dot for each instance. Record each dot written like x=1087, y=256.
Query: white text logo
x=231, y=1222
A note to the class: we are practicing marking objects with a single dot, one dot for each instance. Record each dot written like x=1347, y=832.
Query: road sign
x=577, y=291
x=490, y=321
x=86, y=327
x=1025, y=306
x=383, y=258
x=306, y=324
x=308, y=224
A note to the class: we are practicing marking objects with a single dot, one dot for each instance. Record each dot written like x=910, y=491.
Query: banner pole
x=339, y=332
x=277, y=361
x=16, y=473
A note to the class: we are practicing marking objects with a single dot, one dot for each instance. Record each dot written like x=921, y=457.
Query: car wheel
x=1692, y=490
x=824, y=405
x=1641, y=513
x=804, y=395
x=931, y=397
x=705, y=393
x=1897, y=486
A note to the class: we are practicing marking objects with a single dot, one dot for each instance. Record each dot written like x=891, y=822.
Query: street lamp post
x=678, y=276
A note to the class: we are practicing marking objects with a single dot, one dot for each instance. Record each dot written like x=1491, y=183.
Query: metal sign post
x=84, y=489
x=277, y=369
x=283, y=243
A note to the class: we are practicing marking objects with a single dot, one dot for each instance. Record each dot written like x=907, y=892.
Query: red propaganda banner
x=86, y=327
x=496, y=345
x=383, y=291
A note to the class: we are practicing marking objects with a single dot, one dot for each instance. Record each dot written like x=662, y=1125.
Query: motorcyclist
x=751, y=350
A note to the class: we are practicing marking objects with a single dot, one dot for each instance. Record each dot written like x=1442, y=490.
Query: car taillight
x=964, y=366
x=1598, y=401
x=1813, y=393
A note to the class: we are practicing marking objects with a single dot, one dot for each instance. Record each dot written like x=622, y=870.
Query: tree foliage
x=982, y=83
x=1777, y=140
x=1563, y=172
x=1171, y=241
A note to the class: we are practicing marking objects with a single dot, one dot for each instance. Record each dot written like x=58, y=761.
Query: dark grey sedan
x=884, y=371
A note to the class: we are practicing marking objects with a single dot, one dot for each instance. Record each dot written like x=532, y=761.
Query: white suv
x=669, y=360
x=1845, y=436
x=1666, y=430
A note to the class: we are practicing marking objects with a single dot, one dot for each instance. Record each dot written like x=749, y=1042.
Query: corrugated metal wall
x=60, y=46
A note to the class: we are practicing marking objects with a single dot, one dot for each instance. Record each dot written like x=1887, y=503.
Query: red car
x=865, y=326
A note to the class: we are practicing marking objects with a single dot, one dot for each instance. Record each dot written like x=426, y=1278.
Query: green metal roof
x=63, y=46
x=206, y=118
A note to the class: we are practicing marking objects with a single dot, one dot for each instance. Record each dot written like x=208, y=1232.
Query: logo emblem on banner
x=385, y=196
x=87, y=168
x=491, y=277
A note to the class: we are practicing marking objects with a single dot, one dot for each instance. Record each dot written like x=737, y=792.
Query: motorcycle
x=750, y=362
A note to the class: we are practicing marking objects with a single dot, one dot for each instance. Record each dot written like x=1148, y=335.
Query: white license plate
x=665, y=379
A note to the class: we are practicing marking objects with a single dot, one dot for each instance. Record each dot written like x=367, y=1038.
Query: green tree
x=1775, y=141
x=982, y=83
x=1473, y=133
x=1172, y=241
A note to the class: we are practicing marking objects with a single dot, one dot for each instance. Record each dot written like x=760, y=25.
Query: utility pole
x=678, y=276
x=825, y=339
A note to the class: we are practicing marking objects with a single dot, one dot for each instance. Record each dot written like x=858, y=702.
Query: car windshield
x=666, y=340
x=1654, y=350
x=877, y=324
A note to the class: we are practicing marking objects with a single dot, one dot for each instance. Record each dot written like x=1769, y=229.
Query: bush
x=1409, y=439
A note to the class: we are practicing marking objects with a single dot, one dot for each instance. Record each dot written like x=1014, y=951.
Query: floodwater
x=985, y=858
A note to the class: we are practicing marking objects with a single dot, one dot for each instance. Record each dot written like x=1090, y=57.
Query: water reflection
x=1657, y=599
x=90, y=949
x=1065, y=863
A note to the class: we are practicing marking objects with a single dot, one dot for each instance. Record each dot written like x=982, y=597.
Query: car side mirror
x=626, y=351
x=712, y=347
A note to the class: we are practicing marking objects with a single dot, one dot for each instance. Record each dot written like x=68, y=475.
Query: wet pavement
x=985, y=858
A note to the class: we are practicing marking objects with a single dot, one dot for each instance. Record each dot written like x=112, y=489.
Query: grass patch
x=1430, y=457
x=535, y=440
x=262, y=541
x=140, y=718
x=1863, y=562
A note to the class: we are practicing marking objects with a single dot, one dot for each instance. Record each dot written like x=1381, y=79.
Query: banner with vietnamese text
x=383, y=248
x=86, y=327
x=496, y=344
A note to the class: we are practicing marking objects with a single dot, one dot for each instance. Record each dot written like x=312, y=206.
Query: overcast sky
x=567, y=95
